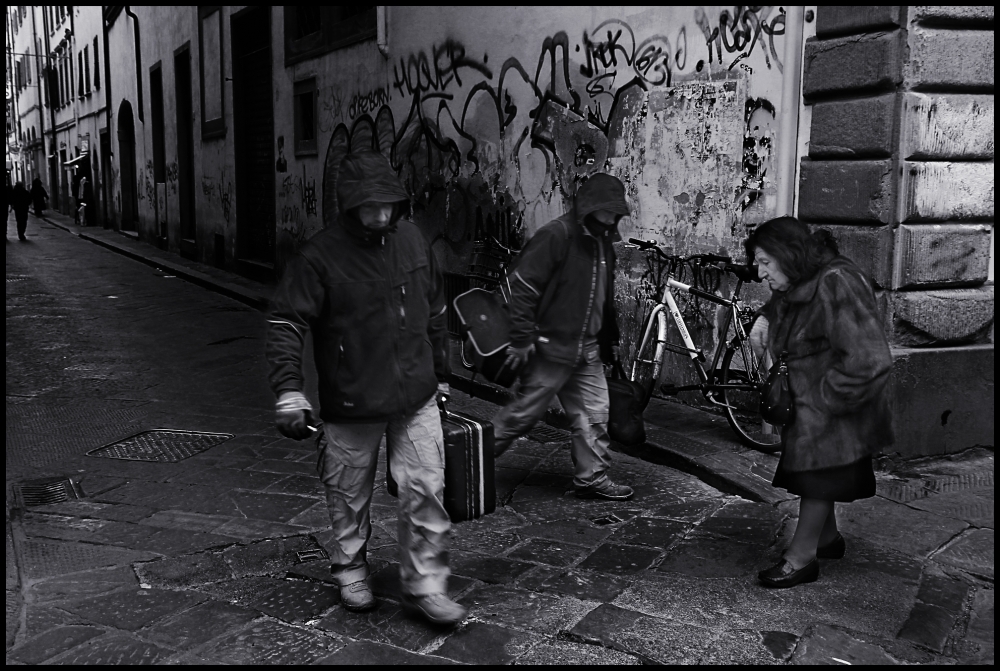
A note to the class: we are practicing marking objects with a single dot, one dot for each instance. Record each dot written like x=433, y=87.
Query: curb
x=203, y=280
x=725, y=470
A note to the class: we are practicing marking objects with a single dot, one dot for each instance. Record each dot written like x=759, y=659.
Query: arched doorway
x=126, y=160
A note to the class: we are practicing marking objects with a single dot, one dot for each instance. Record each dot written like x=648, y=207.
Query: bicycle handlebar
x=747, y=273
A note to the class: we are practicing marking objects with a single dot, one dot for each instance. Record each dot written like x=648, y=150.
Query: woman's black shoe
x=835, y=549
x=784, y=574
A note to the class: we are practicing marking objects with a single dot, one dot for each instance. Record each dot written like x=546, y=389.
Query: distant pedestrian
x=38, y=195
x=563, y=324
x=82, y=190
x=20, y=202
x=822, y=313
x=370, y=292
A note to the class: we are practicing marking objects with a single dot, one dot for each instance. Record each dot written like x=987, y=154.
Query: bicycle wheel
x=648, y=356
x=741, y=366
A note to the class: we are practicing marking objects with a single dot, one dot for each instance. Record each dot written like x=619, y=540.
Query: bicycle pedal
x=669, y=389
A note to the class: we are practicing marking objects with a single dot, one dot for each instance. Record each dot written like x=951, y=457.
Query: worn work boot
x=437, y=608
x=606, y=490
x=357, y=596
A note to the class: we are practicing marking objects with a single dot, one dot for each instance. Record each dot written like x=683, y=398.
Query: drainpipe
x=138, y=58
x=381, y=31
x=108, y=186
x=40, y=77
x=53, y=146
x=790, y=98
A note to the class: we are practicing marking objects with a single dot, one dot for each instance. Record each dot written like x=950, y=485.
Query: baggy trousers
x=583, y=391
x=347, y=462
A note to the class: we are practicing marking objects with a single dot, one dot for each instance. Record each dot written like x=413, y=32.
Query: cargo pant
x=583, y=392
x=347, y=462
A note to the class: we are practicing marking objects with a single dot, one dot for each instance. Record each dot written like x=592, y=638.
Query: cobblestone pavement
x=218, y=557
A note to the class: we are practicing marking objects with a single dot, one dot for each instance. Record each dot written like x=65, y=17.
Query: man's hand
x=443, y=392
x=294, y=416
x=518, y=356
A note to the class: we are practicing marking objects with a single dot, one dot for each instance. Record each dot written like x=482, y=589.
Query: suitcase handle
x=442, y=401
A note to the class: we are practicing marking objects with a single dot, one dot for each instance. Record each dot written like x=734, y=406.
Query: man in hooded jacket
x=370, y=292
x=563, y=324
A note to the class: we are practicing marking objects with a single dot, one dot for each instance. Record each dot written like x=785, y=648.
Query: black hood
x=367, y=177
x=601, y=192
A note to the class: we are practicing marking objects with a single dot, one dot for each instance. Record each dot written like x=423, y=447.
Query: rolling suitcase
x=469, y=485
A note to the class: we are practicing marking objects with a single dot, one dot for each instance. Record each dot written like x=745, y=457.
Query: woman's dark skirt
x=840, y=483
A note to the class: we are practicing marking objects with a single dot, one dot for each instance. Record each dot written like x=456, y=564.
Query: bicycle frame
x=669, y=304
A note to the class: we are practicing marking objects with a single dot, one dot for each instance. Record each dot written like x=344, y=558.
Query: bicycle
x=735, y=383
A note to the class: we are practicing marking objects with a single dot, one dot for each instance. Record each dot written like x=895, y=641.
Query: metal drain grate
x=16, y=278
x=168, y=445
x=543, y=433
x=314, y=554
x=46, y=491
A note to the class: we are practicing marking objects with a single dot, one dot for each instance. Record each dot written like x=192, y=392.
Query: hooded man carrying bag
x=370, y=292
x=563, y=324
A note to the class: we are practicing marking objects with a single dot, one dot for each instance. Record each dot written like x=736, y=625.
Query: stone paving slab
x=43, y=559
x=133, y=609
x=379, y=654
x=115, y=650
x=481, y=643
x=296, y=602
x=521, y=609
x=185, y=571
x=973, y=552
x=200, y=624
x=78, y=585
x=53, y=642
x=269, y=642
x=827, y=645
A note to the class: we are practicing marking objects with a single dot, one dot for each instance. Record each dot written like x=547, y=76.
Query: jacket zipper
x=590, y=302
x=395, y=341
x=402, y=306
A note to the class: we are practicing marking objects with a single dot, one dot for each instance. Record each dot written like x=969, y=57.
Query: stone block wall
x=900, y=168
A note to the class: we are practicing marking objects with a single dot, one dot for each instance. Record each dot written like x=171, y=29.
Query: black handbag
x=776, y=403
x=627, y=400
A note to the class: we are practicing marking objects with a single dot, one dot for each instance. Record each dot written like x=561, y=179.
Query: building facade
x=56, y=56
x=225, y=125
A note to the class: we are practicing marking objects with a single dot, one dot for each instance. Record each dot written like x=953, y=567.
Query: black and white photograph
x=568, y=335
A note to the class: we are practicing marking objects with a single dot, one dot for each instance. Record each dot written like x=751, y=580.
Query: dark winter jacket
x=375, y=306
x=20, y=201
x=838, y=366
x=38, y=194
x=554, y=280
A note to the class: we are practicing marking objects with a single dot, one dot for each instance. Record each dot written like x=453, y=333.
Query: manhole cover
x=161, y=445
x=543, y=433
x=46, y=491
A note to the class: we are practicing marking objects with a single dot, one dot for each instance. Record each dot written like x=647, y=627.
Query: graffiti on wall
x=494, y=146
x=368, y=102
x=218, y=192
x=739, y=33
x=172, y=173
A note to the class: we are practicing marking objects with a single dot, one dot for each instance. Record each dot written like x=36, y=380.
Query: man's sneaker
x=357, y=596
x=437, y=608
x=606, y=490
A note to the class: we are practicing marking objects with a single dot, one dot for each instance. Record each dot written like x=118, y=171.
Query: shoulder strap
x=550, y=288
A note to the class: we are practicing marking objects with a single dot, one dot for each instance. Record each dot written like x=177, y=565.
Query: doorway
x=126, y=150
x=253, y=119
x=185, y=149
